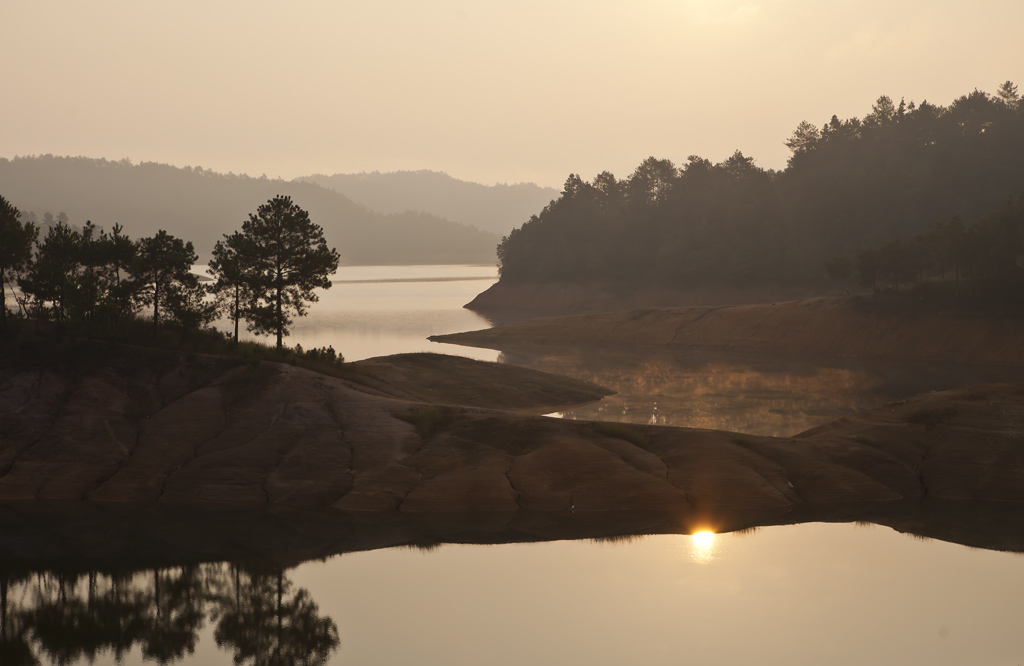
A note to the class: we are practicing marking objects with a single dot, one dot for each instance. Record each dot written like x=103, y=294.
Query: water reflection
x=703, y=546
x=694, y=584
x=758, y=395
x=65, y=618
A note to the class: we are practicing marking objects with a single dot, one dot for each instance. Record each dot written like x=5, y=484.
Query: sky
x=488, y=91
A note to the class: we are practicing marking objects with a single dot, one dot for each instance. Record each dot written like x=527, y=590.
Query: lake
x=796, y=594
x=379, y=310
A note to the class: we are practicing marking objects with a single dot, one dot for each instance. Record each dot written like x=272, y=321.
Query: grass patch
x=625, y=431
x=428, y=420
x=244, y=385
x=930, y=418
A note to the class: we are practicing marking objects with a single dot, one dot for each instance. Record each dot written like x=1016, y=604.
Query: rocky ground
x=198, y=432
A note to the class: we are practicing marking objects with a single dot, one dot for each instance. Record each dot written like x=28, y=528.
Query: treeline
x=93, y=281
x=981, y=258
x=849, y=185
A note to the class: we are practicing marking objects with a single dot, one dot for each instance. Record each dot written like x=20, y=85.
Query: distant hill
x=496, y=208
x=200, y=206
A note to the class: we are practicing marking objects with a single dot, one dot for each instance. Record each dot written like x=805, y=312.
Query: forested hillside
x=496, y=208
x=201, y=205
x=849, y=185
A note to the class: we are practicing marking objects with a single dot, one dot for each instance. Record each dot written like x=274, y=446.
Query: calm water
x=833, y=594
x=806, y=594
x=379, y=310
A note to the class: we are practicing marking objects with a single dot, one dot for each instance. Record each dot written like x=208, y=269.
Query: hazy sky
x=487, y=91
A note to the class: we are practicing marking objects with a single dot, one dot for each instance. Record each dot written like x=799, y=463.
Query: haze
x=490, y=92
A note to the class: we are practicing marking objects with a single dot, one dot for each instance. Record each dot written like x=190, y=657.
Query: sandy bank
x=817, y=326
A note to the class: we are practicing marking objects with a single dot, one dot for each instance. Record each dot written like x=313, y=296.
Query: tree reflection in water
x=269, y=625
x=73, y=618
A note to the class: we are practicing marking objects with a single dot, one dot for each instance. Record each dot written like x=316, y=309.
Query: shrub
x=428, y=420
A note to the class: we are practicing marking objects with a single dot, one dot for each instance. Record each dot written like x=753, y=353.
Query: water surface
x=379, y=310
x=805, y=594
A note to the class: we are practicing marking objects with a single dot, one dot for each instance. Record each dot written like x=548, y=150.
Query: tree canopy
x=284, y=257
x=16, y=239
x=849, y=185
x=161, y=263
x=231, y=280
x=84, y=278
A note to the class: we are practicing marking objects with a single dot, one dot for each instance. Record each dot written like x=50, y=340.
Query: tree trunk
x=3, y=298
x=156, y=591
x=237, y=299
x=280, y=320
x=3, y=608
x=3, y=301
x=280, y=602
x=156, y=308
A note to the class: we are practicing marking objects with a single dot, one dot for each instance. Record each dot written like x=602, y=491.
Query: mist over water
x=766, y=394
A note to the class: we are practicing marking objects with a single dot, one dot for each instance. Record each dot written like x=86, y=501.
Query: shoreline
x=822, y=326
x=504, y=299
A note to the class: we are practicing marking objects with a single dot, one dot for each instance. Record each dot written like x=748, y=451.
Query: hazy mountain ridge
x=497, y=208
x=201, y=205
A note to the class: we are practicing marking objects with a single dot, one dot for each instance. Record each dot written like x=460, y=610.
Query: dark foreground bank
x=202, y=433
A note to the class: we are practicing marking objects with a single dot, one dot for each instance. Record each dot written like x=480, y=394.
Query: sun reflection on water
x=702, y=546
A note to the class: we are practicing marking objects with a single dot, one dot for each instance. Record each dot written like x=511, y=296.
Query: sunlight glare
x=703, y=539
x=703, y=546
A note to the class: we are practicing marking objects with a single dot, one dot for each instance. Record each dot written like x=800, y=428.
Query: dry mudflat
x=819, y=326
